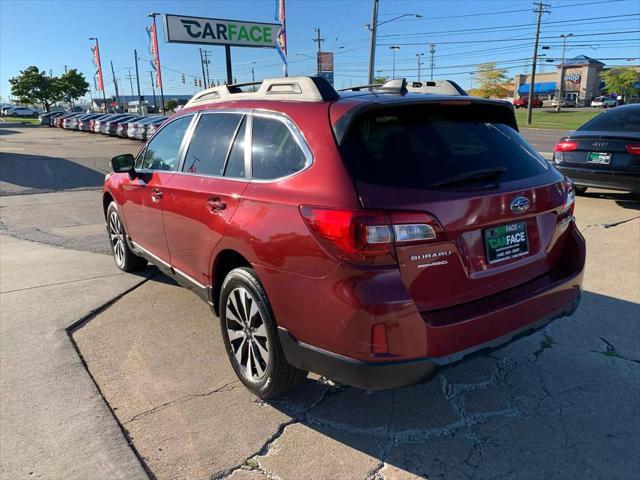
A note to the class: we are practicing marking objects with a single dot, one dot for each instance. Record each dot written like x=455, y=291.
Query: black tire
x=579, y=190
x=266, y=378
x=124, y=258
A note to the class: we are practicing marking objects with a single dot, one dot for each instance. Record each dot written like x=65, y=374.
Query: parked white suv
x=22, y=112
x=604, y=102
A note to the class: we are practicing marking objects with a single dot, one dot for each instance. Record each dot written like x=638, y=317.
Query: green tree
x=170, y=104
x=33, y=86
x=621, y=80
x=491, y=81
x=73, y=85
x=380, y=79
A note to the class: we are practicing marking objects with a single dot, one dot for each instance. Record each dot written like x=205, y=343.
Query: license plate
x=506, y=241
x=599, y=157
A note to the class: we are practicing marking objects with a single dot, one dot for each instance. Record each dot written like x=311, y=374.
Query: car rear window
x=417, y=146
x=617, y=120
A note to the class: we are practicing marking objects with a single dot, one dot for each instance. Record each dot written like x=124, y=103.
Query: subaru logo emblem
x=519, y=205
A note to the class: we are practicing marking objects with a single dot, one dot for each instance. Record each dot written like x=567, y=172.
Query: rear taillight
x=633, y=148
x=368, y=236
x=565, y=146
x=568, y=207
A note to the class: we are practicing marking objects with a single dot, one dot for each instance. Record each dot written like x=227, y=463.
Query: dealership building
x=582, y=81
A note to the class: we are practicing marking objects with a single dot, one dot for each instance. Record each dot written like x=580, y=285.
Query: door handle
x=216, y=204
x=156, y=195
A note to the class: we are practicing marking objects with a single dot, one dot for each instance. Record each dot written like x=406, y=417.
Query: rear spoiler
x=503, y=109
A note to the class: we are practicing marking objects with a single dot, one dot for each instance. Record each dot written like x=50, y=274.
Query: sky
x=51, y=34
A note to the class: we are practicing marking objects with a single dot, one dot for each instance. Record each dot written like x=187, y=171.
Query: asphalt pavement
x=562, y=403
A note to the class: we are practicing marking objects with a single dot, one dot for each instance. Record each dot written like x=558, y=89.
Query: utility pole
x=372, y=41
x=204, y=77
x=540, y=10
x=432, y=51
x=206, y=54
x=135, y=55
x=115, y=83
x=130, y=78
x=395, y=48
x=419, y=57
x=318, y=40
x=153, y=90
x=564, y=46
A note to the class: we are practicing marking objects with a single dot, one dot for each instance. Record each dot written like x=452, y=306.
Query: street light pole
x=395, y=48
x=564, y=46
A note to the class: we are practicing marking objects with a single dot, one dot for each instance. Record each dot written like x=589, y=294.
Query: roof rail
x=302, y=89
x=437, y=87
x=397, y=85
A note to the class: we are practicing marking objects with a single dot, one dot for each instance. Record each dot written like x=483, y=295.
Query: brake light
x=565, y=146
x=368, y=236
x=633, y=148
x=569, y=205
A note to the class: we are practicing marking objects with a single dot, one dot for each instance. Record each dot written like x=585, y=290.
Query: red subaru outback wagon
x=369, y=236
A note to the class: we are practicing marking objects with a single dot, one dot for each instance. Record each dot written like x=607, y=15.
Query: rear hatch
x=492, y=200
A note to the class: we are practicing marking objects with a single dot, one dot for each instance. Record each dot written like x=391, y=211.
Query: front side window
x=163, y=150
x=274, y=151
x=209, y=145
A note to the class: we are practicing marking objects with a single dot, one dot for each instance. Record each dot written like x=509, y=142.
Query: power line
x=505, y=27
x=494, y=40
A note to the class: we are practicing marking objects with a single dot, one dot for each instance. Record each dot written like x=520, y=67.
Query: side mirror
x=123, y=163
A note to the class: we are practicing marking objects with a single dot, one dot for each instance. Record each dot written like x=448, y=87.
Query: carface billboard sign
x=216, y=31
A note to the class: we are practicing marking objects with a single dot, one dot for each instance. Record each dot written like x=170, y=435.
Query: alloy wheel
x=116, y=235
x=247, y=334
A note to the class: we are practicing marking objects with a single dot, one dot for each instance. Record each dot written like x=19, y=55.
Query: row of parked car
x=115, y=124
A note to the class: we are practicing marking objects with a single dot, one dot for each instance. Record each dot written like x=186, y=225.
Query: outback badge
x=520, y=205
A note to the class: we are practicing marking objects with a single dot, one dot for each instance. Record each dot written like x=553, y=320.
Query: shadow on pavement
x=556, y=404
x=6, y=131
x=623, y=199
x=41, y=172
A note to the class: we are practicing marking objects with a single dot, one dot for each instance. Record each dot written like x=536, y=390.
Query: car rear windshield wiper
x=470, y=177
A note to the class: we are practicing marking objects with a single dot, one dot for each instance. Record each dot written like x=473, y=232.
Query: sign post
x=217, y=31
x=325, y=66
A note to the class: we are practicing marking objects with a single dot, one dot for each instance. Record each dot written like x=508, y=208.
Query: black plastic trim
x=383, y=375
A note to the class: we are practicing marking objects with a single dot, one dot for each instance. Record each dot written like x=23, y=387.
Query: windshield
x=419, y=146
x=619, y=119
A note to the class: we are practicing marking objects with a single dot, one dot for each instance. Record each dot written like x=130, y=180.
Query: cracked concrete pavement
x=563, y=403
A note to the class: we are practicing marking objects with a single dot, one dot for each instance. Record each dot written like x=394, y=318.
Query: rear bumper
x=421, y=342
x=383, y=375
x=588, y=177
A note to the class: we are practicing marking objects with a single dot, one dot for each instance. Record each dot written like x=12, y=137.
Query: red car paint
x=337, y=305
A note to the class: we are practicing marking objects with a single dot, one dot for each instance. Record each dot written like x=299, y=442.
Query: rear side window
x=417, y=146
x=274, y=151
x=162, y=151
x=210, y=143
x=617, y=120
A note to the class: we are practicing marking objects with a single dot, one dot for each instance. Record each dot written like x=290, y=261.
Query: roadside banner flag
x=155, y=56
x=281, y=37
x=98, y=75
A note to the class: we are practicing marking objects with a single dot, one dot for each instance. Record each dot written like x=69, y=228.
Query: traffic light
x=200, y=83
x=183, y=81
x=195, y=82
